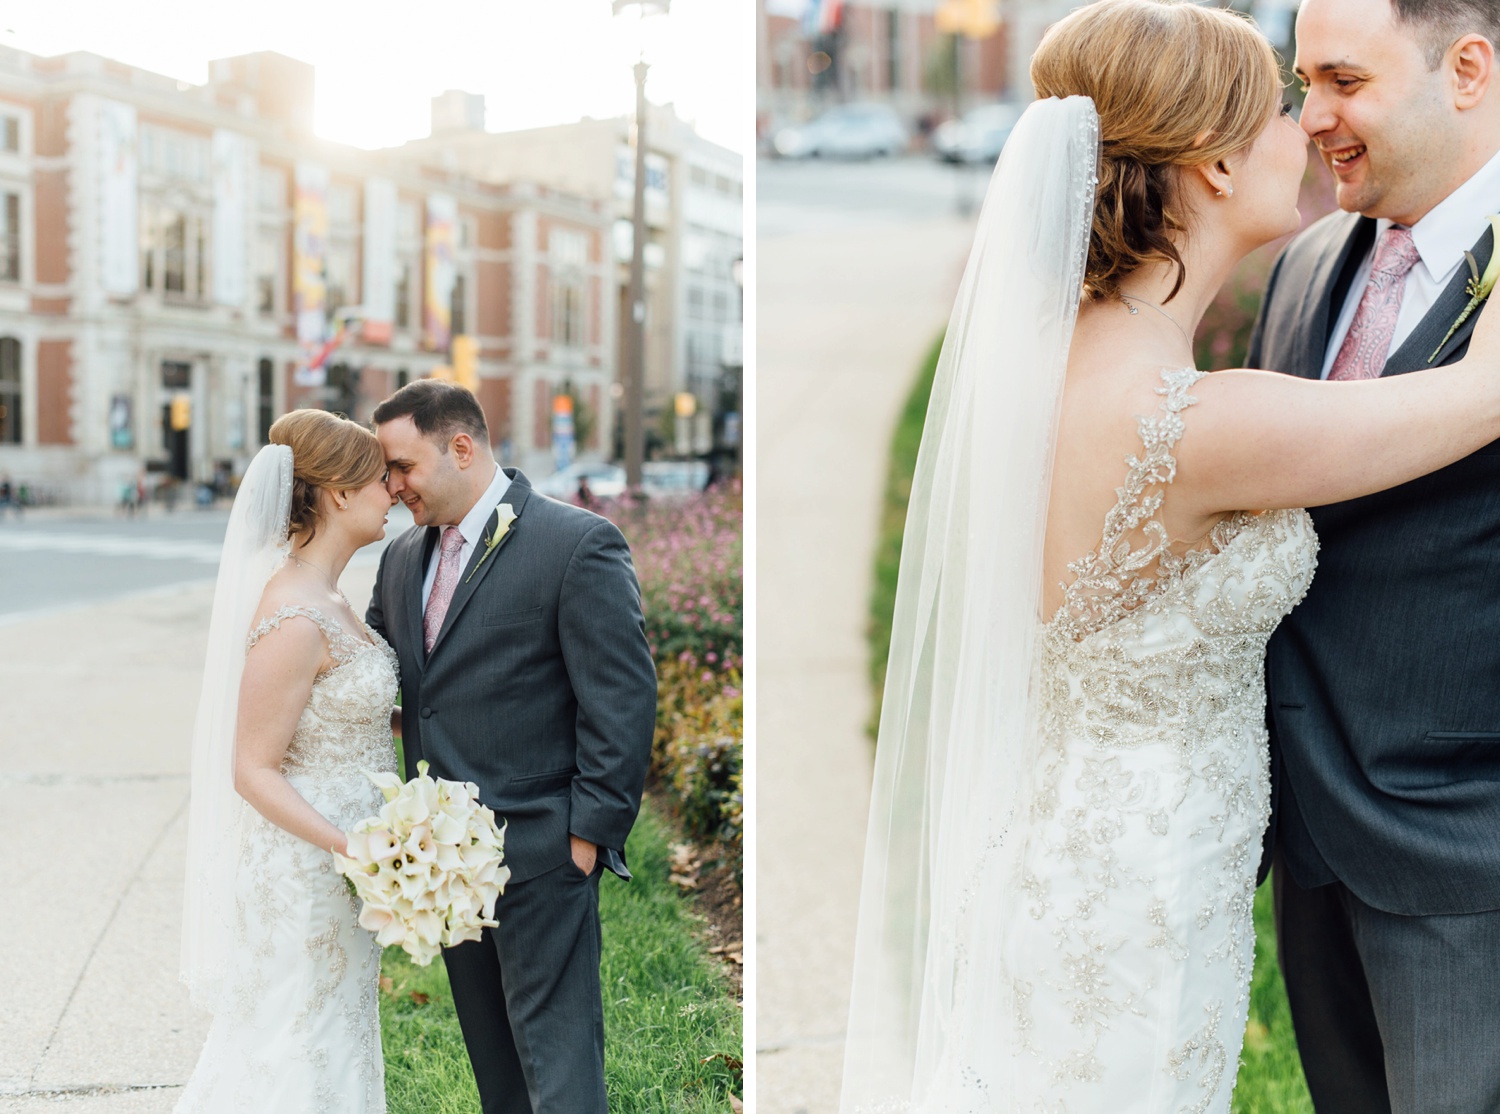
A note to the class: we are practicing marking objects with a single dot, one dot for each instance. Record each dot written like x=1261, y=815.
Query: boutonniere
x=505, y=515
x=1479, y=286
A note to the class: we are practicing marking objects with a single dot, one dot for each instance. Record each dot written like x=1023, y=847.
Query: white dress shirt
x=472, y=528
x=1441, y=238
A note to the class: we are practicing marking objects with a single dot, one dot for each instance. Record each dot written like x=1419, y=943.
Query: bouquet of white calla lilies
x=428, y=867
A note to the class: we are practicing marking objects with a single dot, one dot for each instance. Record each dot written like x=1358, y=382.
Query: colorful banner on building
x=119, y=203
x=309, y=252
x=442, y=266
x=380, y=259
x=234, y=167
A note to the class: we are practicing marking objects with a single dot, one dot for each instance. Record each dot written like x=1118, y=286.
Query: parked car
x=668, y=478
x=977, y=136
x=606, y=481
x=849, y=131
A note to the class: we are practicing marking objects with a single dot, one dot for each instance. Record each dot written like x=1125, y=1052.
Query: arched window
x=10, y=391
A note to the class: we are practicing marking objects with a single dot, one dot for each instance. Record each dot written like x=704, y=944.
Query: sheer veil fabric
x=931, y=1023
x=255, y=543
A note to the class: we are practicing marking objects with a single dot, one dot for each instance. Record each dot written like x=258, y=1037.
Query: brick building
x=172, y=255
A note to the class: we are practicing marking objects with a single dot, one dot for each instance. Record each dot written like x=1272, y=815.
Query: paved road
x=848, y=305
x=57, y=560
x=816, y=197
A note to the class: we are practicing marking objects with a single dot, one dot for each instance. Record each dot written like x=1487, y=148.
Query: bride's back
x=1114, y=380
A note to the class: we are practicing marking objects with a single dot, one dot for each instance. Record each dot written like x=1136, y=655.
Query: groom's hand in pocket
x=585, y=854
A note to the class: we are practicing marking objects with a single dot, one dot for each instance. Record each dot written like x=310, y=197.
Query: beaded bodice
x=346, y=725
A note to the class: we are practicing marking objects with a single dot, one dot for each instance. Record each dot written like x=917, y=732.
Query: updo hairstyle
x=1161, y=75
x=328, y=452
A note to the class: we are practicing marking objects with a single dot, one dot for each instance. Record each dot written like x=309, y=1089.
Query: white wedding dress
x=301, y=1030
x=1132, y=944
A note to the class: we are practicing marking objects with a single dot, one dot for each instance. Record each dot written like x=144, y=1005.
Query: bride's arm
x=1261, y=440
x=278, y=679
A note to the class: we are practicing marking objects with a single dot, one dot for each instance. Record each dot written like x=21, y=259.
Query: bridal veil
x=254, y=544
x=931, y=1015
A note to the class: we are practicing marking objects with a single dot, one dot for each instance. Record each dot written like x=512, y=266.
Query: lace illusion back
x=303, y=1031
x=1131, y=950
x=1134, y=558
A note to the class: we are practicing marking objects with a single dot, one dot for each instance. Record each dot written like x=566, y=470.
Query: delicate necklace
x=1129, y=301
x=326, y=578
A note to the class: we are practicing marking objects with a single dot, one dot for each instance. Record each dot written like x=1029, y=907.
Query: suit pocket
x=1443, y=758
x=551, y=781
x=513, y=618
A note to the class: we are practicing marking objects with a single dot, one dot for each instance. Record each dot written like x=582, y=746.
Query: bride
x=1071, y=780
x=295, y=710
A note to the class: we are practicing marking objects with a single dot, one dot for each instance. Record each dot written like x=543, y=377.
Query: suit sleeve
x=375, y=613
x=603, y=636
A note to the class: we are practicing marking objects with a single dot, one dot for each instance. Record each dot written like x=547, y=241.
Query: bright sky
x=380, y=61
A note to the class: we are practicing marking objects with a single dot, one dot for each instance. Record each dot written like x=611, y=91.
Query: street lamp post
x=635, y=373
x=635, y=357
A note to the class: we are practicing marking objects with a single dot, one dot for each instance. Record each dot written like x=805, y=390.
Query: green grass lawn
x=672, y=1026
x=1270, y=1078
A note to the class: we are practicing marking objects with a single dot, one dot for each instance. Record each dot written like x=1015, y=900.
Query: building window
x=265, y=399
x=403, y=294
x=403, y=377
x=271, y=189
x=267, y=256
x=10, y=239
x=10, y=391
x=568, y=314
x=339, y=270
x=174, y=253
x=10, y=135
x=456, y=307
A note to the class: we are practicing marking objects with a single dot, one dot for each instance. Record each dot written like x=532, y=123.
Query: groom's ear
x=1471, y=64
x=462, y=447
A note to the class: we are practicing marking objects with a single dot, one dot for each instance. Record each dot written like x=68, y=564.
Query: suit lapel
x=1330, y=284
x=479, y=566
x=1417, y=352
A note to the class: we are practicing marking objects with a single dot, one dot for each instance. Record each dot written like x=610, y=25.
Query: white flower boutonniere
x=505, y=516
x=1479, y=286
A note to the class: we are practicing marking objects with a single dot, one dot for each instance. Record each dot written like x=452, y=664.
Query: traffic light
x=465, y=352
x=182, y=413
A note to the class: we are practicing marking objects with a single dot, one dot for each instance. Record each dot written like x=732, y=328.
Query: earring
x=343, y=506
x=1225, y=192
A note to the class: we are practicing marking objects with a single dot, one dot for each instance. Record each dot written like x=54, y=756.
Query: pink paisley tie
x=442, y=587
x=1363, y=353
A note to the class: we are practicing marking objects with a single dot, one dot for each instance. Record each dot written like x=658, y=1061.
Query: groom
x=1384, y=685
x=525, y=669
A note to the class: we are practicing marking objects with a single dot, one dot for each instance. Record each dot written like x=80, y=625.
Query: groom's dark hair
x=1441, y=23
x=438, y=409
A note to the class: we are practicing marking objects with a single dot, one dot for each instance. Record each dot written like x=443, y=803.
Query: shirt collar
x=1452, y=225
x=472, y=526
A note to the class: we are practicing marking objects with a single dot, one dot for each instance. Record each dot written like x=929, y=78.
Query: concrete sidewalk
x=94, y=742
x=845, y=318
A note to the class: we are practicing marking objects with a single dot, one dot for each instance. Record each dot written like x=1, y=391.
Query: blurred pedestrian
x=585, y=494
x=8, y=496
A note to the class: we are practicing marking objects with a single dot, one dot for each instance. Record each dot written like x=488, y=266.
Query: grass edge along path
x=1270, y=1072
x=672, y=1027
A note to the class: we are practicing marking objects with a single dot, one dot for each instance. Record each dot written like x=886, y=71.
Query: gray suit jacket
x=1383, y=685
x=540, y=687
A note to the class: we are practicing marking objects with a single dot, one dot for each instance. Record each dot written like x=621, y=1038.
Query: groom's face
x=1378, y=115
x=423, y=476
